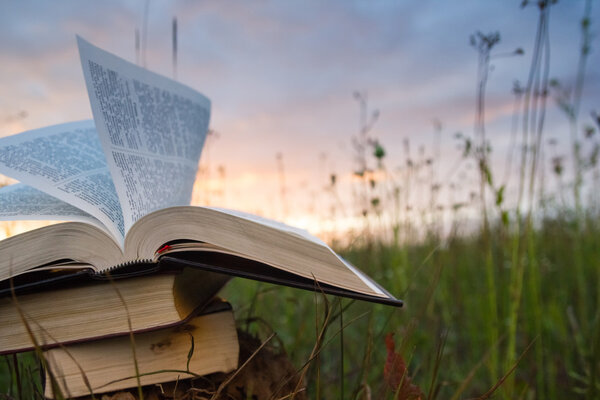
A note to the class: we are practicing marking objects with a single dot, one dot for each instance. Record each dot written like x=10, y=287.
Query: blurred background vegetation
x=502, y=293
x=498, y=264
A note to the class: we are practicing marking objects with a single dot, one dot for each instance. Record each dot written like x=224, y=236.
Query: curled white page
x=152, y=130
x=22, y=202
x=66, y=161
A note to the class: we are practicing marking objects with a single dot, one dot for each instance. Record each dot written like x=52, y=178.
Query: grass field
x=454, y=344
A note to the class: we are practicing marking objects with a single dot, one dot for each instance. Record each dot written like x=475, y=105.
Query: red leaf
x=396, y=375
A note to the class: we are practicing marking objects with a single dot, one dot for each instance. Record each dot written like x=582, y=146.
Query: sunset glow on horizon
x=281, y=78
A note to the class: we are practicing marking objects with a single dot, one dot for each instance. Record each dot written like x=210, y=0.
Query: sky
x=281, y=77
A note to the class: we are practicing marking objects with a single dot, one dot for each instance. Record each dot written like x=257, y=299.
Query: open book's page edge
x=304, y=235
x=249, y=238
x=368, y=281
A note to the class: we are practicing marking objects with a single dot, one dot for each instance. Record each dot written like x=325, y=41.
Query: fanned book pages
x=123, y=184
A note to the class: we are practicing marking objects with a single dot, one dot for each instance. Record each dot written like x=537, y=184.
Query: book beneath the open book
x=83, y=309
x=124, y=180
x=202, y=345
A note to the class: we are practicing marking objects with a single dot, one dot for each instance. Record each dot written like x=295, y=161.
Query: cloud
x=281, y=74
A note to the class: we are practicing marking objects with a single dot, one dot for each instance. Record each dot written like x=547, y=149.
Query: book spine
x=128, y=269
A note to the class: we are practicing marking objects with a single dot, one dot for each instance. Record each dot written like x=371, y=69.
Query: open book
x=124, y=181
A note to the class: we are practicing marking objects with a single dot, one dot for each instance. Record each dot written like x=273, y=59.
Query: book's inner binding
x=127, y=267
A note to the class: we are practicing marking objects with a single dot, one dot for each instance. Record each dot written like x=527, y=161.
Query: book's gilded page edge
x=305, y=235
x=367, y=281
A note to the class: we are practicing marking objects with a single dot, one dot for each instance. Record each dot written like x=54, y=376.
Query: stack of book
x=83, y=334
x=124, y=292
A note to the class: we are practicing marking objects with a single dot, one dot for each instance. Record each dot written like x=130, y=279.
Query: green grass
x=446, y=293
x=20, y=377
x=445, y=290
